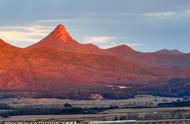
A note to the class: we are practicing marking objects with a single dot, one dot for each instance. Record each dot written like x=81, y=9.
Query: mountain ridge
x=170, y=52
x=59, y=66
x=60, y=33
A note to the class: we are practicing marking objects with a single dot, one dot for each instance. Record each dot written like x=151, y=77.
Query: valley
x=142, y=107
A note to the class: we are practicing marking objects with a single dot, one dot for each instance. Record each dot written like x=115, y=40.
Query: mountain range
x=59, y=66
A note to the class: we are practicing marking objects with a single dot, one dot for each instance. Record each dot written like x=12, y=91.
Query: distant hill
x=170, y=52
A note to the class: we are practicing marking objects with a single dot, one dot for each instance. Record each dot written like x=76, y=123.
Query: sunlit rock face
x=58, y=38
x=61, y=33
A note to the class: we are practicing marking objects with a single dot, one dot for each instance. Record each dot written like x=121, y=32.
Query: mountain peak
x=122, y=48
x=61, y=33
x=58, y=38
x=169, y=52
x=60, y=28
x=3, y=43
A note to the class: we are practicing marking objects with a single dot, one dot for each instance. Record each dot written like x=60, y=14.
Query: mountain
x=59, y=38
x=169, y=52
x=123, y=50
x=162, y=58
x=59, y=66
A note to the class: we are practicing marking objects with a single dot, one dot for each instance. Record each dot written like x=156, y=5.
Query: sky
x=145, y=25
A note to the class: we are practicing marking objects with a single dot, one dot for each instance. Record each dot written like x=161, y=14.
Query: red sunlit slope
x=59, y=38
x=162, y=58
x=60, y=64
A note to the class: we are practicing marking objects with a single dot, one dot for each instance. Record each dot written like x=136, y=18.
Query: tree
x=115, y=118
x=67, y=105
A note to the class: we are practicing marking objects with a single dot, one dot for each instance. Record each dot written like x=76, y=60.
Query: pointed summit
x=58, y=38
x=61, y=33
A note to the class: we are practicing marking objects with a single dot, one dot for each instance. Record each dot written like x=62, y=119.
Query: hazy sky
x=145, y=25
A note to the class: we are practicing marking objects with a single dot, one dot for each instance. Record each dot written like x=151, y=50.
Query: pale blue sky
x=145, y=25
